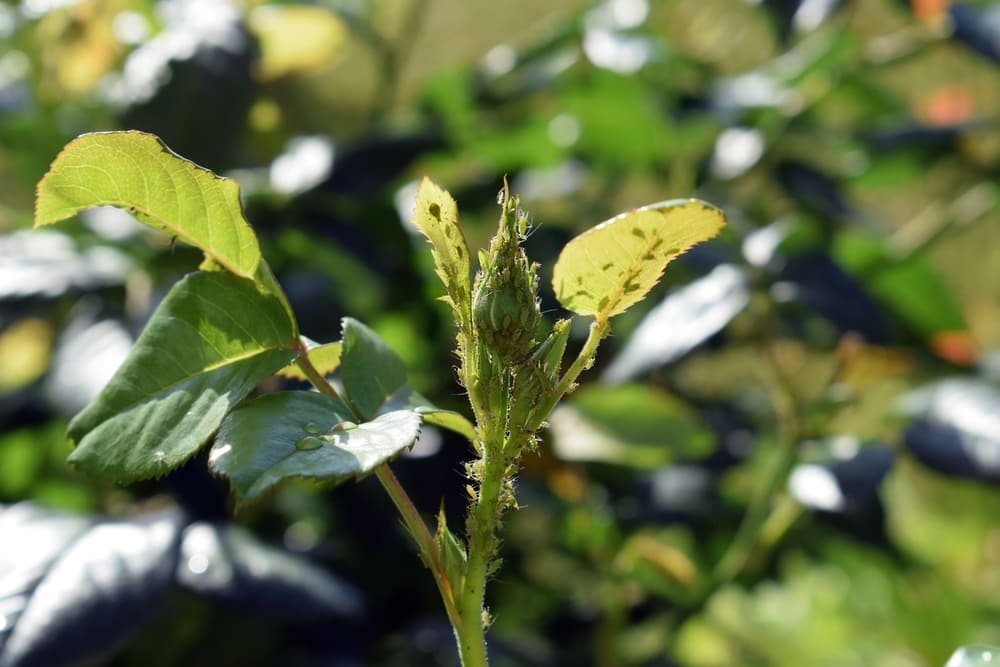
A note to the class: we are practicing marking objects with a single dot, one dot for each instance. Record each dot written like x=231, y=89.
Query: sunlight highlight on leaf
x=136, y=172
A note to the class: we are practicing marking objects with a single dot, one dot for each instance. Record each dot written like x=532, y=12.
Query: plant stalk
x=411, y=517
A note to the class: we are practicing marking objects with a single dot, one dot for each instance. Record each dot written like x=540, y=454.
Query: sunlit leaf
x=325, y=358
x=974, y=656
x=304, y=434
x=295, y=38
x=436, y=216
x=135, y=171
x=211, y=341
x=611, y=267
x=25, y=350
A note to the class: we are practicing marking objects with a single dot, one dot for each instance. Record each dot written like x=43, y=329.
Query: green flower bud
x=505, y=302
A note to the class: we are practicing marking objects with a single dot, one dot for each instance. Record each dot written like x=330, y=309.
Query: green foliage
x=300, y=434
x=217, y=335
x=137, y=172
x=372, y=371
x=213, y=339
x=674, y=519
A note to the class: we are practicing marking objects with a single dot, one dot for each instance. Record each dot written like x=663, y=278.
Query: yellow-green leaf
x=296, y=38
x=325, y=358
x=135, y=171
x=612, y=266
x=436, y=216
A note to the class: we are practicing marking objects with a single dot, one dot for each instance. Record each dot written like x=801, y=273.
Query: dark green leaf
x=211, y=341
x=370, y=370
x=303, y=434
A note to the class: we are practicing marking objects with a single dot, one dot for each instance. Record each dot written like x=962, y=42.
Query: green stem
x=407, y=510
x=481, y=551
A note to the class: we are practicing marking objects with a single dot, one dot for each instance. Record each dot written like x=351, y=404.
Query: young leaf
x=408, y=399
x=135, y=171
x=325, y=358
x=612, y=266
x=436, y=216
x=211, y=341
x=304, y=434
x=453, y=556
x=371, y=371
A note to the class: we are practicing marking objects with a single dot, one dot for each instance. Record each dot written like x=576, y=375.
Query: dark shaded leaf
x=844, y=486
x=370, y=369
x=817, y=281
x=71, y=589
x=957, y=430
x=979, y=30
x=226, y=563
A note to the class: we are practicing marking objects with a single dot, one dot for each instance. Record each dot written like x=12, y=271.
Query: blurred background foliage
x=789, y=455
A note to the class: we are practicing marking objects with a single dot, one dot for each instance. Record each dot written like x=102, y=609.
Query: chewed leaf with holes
x=213, y=338
x=304, y=434
x=436, y=216
x=135, y=171
x=612, y=266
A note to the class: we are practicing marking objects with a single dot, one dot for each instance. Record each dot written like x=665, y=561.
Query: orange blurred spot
x=956, y=347
x=567, y=484
x=930, y=10
x=947, y=106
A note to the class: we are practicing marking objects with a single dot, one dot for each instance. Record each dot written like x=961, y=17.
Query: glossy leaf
x=974, y=656
x=372, y=371
x=436, y=216
x=304, y=434
x=682, y=321
x=228, y=564
x=611, y=267
x=211, y=341
x=135, y=171
x=325, y=358
x=71, y=589
x=957, y=427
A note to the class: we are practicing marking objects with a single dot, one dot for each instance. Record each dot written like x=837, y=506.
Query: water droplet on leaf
x=308, y=443
x=311, y=427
